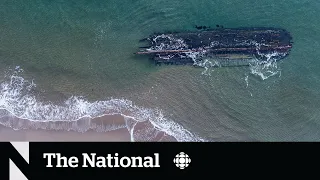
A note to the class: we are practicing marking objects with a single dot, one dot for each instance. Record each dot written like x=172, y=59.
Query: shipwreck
x=227, y=46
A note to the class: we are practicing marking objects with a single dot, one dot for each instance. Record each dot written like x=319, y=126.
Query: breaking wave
x=19, y=109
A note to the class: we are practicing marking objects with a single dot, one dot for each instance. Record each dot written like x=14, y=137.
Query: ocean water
x=71, y=59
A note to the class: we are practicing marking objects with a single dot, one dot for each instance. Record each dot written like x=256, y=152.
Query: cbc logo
x=182, y=160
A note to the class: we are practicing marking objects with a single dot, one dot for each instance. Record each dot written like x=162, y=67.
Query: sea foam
x=19, y=109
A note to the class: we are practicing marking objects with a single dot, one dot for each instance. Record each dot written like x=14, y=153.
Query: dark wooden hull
x=229, y=47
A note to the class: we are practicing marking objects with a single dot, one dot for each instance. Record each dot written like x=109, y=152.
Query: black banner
x=65, y=160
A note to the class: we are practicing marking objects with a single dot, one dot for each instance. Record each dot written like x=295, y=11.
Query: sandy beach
x=68, y=131
x=8, y=134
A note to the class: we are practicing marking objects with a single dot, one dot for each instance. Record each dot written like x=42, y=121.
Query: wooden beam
x=211, y=50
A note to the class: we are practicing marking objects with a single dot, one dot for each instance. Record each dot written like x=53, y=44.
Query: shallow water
x=78, y=48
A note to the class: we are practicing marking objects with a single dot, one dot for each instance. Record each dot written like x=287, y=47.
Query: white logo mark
x=182, y=160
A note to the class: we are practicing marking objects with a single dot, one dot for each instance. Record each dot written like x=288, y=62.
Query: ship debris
x=227, y=46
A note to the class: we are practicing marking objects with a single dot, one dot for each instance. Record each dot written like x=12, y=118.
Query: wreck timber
x=229, y=47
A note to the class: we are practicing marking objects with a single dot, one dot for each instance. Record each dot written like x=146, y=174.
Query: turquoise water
x=85, y=48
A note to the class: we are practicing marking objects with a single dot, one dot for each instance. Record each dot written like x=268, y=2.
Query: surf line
x=109, y=161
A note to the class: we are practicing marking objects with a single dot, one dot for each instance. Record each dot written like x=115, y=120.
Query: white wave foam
x=206, y=63
x=76, y=113
x=264, y=69
x=268, y=67
x=172, y=43
x=265, y=66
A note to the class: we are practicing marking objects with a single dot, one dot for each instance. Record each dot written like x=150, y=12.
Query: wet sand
x=8, y=134
x=142, y=131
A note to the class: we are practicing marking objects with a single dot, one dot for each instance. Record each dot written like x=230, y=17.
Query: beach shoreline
x=70, y=131
x=9, y=134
